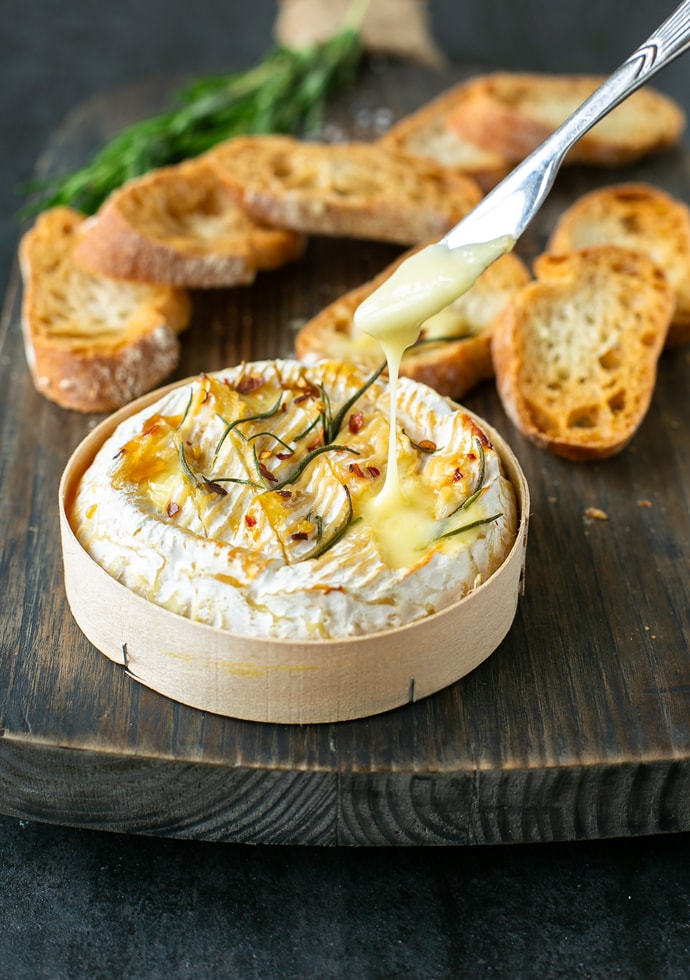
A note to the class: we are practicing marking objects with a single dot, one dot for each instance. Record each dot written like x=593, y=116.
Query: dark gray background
x=84, y=904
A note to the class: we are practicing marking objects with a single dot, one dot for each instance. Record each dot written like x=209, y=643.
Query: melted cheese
x=418, y=292
x=423, y=285
x=199, y=504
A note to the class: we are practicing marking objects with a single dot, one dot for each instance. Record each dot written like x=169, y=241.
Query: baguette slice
x=512, y=113
x=645, y=219
x=451, y=366
x=426, y=133
x=359, y=190
x=576, y=351
x=92, y=343
x=179, y=225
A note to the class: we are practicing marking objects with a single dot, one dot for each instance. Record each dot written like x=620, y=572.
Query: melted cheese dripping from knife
x=419, y=288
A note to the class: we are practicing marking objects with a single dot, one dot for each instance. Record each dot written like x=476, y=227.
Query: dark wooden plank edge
x=151, y=797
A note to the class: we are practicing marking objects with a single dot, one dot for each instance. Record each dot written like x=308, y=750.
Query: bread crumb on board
x=596, y=514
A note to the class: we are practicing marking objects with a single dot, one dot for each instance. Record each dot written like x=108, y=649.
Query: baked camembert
x=243, y=499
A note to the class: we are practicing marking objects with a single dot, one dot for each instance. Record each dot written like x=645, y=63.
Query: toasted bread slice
x=643, y=218
x=426, y=133
x=512, y=113
x=454, y=353
x=92, y=343
x=575, y=352
x=180, y=226
x=358, y=190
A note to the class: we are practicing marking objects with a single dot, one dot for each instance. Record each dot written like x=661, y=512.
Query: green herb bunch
x=285, y=93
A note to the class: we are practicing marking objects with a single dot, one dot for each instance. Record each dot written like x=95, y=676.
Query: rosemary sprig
x=468, y=527
x=323, y=546
x=326, y=415
x=286, y=92
x=333, y=424
x=208, y=483
x=426, y=446
x=469, y=500
x=212, y=481
x=271, y=435
x=257, y=417
x=306, y=460
x=264, y=475
x=187, y=469
x=479, y=485
x=305, y=432
x=186, y=411
x=442, y=339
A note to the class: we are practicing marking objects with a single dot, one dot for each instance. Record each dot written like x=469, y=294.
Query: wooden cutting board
x=578, y=726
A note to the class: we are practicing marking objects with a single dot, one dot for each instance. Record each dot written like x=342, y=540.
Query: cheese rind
x=221, y=503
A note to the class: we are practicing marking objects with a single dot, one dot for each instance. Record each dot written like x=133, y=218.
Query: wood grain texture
x=578, y=726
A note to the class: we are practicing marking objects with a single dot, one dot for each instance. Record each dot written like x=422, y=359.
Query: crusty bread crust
x=452, y=367
x=360, y=190
x=512, y=113
x=576, y=351
x=92, y=344
x=641, y=217
x=179, y=225
x=426, y=133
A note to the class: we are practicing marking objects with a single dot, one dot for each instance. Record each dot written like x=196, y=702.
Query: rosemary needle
x=285, y=93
